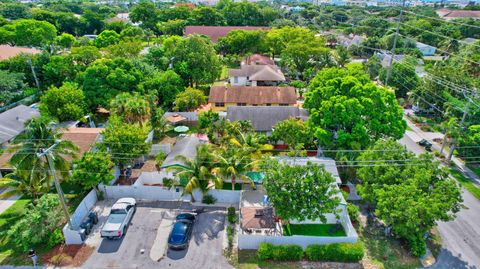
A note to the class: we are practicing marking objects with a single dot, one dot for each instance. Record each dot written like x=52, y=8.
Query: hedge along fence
x=339, y=252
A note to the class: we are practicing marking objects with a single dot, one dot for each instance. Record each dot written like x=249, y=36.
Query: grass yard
x=466, y=183
x=386, y=253
x=228, y=186
x=475, y=169
x=247, y=259
x=312, y=229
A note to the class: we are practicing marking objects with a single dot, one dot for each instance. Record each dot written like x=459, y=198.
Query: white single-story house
x=426, y=50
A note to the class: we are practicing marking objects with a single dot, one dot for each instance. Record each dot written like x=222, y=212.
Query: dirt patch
x=71, y=255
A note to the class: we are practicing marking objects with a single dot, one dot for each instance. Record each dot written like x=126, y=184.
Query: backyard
x=313, y=230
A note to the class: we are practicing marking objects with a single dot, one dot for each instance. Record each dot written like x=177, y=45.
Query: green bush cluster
x=340, y=252
x=231, y=215
x=353, y=211
x=55, y=238
x=268, y=251
x=209, y=199
x=230, y=233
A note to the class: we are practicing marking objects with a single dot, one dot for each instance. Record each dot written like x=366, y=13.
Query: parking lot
x=143, y=235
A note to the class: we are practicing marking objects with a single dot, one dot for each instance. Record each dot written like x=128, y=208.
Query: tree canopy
x=64, y=103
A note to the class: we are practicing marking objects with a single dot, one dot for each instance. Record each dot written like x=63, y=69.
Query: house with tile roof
x=215, y=32
x=7, y=51
x=222, y=97
x=256, y=75
x=448, y=14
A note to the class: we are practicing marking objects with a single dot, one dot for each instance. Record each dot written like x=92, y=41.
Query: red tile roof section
x=215, y=32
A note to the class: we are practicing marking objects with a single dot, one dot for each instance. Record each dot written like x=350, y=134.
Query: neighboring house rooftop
x=215, y=32
x=258, y=59
x=7, y=51
x=12, y=121
x=350, y=40
x=185, y=146
x=454, y=14
x=258, y=95
x=187, y=116
x=328, y=163
x=423, y=45
x=258, y=72
x=263, y=118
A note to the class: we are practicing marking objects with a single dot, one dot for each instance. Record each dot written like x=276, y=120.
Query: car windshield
x=179, y=228
x=117, y=211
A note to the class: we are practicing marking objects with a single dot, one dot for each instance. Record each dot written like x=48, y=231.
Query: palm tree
x=198, y=171
x=30, y=182
x=133, y=108
x=233, y=163
x=40, y=134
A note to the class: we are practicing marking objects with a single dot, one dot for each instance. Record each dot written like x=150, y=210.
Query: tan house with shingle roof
x=256, y=75
x=7, y=51
x=222, y=97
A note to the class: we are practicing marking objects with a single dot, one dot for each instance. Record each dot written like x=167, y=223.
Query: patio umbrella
x=181, y=129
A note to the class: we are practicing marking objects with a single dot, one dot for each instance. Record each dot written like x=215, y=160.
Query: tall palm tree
x=233, y=163
x=40, y=134
x=30, y=182
x=198, y=171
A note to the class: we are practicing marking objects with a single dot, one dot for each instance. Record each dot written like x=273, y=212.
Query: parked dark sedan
x=181, y=231
x=426, y=144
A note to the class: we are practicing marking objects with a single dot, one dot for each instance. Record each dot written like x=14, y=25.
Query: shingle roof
x=215, y=32
x=258, y=95
x=7, y=51
x=13, y=120
x=463, y=14
x=258, y=72
x=263, y=118
x=185, y=146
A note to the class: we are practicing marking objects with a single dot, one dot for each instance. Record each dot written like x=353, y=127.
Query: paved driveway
x=133, y=250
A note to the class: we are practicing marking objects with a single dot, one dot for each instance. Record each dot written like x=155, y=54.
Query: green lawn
x=247, y=259
x=466, y=183
x=313, y=230
x=228, y=186
x=475, y=169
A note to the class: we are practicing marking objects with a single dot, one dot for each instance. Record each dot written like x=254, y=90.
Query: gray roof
x=423, y=45
x=258, y=72
x=185, y=146
x=263, y=118
x=191, y=116
x=329, y=164
x=12, y=121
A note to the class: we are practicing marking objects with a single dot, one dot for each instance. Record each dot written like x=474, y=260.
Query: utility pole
x=389, y=71
x=46, y=153
x=33, y=73
x=462, y=122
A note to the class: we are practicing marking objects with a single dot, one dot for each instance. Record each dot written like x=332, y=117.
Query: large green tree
x=206, y=16
x=11, y=85
x=132, y=108
x=64, y=103
x=189, y=99
x=403, y=76
x=28, y=33
x=293, y=132
x=410, y=193
x=300, y=192
x=242, y=42
x=194, y=59
x=347, y=110
x=92, y=169
x=165, y=85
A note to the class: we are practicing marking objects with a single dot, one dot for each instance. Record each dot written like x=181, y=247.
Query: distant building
x=256, y=75
x=350, y=40
x=448, y=14
x=222, y=97
x=215, y=32
x=426, y=50
x=263, y=118
x=7, y=51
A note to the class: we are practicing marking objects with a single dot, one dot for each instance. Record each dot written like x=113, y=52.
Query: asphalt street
x=461, y=237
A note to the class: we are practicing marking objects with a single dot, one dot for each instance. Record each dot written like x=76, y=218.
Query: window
x=254, y=105
x=235, y=79
x=283, y=104
x=219, y=104
x=241, y=104
x=268, y=104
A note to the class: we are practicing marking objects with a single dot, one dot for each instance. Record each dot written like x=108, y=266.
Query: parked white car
x=120, y=216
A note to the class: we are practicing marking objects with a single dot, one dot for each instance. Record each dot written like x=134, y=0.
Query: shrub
x=230, y=233
x=55, y=238
x=209, y=199
x=343, y=252
x=265, y=251
x=160, y=157
x=231, y=215
x=353, y=211
x=268, y=251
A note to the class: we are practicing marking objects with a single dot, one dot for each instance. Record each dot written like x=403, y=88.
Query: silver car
x=120, y=216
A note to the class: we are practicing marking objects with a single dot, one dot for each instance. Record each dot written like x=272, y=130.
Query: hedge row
x=343, y=252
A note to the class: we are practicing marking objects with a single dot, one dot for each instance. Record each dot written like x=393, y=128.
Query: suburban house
x=448, y=14
x=259, y=223
x=263, y=118
x=221, y=97
x=84, y=138
x=7, y=51
x=426, y=50
x=350, y=40
x=12, y=122
x=256, y=75
x=215, y=32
